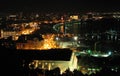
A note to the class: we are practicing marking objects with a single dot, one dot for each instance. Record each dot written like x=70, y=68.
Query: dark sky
x=85, y=5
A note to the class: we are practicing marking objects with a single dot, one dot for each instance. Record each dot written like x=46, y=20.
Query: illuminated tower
x=63, y=25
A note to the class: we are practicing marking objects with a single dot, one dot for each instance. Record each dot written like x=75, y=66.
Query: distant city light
x=75, y=38
x=109, y=53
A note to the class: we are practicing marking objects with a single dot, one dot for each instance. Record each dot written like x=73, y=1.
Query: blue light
x=109, y=53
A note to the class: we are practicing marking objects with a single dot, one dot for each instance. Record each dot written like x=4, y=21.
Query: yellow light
x=47, y=43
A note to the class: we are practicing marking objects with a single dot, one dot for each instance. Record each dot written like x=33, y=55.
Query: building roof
x=52, y=54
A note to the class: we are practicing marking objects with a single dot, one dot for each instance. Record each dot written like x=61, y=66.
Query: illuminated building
x=6, y=34
x=74, y=17
x=51, y=59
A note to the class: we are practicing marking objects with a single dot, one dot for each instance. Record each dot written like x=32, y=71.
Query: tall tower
x=63, y=25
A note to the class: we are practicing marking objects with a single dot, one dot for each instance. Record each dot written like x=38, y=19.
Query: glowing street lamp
x=75, y=38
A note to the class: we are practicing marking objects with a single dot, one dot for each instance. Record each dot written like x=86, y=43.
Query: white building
x=53, y=58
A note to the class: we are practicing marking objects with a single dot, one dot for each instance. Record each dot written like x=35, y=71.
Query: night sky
x=72, y=5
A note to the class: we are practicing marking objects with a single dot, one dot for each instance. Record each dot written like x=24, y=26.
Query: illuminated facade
x=62, y=58
x=74, y=17
x=6, y=34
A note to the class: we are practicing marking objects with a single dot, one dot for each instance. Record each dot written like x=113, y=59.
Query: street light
x=75, y=38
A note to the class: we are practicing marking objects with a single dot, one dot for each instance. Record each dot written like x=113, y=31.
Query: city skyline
x=60, y=37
